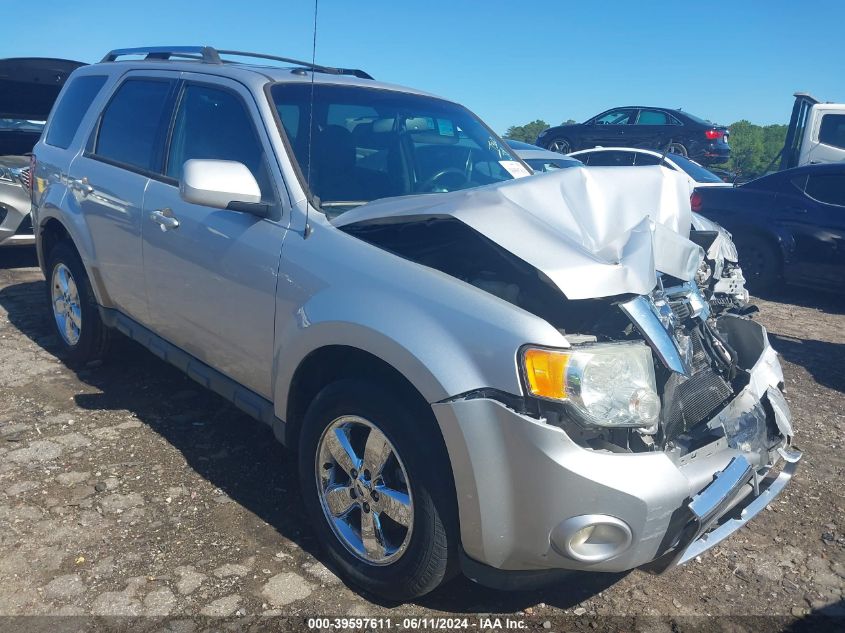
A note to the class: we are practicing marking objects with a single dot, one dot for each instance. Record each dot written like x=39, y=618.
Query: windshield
x=23, y=125
x=369, y=143
x=694, y=170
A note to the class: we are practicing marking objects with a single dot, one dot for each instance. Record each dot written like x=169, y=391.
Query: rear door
x=653, y=129
x=211, y=282
x=108, y=181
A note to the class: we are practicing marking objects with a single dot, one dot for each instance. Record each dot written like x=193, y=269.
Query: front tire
x=560, y=145
x=376, y=489
x=81, y=334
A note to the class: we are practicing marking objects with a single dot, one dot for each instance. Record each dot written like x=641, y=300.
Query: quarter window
x=133, y=124
x=78, y=97
x=832, y=131
x=829, y=188
x=214, y=124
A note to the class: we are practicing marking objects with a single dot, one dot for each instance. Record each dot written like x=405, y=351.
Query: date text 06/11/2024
x=415, y=624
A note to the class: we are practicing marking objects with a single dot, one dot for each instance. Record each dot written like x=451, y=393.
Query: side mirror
x=221, y=184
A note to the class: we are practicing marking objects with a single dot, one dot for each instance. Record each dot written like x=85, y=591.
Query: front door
x=211, y=280
x=610, y=128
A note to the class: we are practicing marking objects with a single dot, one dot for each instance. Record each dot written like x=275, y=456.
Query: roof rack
x=210, y=55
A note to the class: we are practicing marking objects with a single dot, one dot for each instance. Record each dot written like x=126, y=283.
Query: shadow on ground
x=828, y=302
x=814, y=356
x=240, y=456
x=18, y=257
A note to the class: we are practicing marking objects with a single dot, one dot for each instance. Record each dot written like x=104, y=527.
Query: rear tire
x=679, y=149
x=396, y=561
x=75, y=317
x=761, y=263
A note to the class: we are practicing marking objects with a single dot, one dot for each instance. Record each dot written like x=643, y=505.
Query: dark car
x=649, y=128
x=788, y=226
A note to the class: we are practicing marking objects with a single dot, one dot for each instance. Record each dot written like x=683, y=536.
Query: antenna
x=665, y=151
x=307, y=231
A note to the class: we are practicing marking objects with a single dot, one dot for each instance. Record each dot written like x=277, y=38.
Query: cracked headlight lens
x=606, y=384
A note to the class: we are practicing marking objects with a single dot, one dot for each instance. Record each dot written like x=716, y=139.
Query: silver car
x=477, y=371
x=28, y=88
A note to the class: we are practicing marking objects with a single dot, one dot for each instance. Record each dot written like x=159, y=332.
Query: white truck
x=816, y=133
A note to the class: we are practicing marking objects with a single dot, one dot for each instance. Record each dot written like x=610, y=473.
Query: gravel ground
x=127, y=490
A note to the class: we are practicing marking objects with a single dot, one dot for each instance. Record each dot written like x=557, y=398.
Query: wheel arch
x=329, y=363
x=52, y=230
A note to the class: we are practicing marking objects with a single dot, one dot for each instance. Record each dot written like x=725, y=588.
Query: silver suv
x=513, y=377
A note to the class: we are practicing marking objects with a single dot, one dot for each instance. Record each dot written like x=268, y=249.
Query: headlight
x=606, y=384
x=543, y=133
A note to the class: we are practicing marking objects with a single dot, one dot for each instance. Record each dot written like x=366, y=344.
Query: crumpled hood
x=595, y=232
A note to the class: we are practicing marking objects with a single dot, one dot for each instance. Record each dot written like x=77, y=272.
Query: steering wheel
x=431, y=183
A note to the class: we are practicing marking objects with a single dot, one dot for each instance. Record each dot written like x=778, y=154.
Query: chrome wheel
x=364, y=490
x=560, y=145
x=66, y=307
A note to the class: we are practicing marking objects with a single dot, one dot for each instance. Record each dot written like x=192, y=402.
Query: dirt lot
x=127, y=490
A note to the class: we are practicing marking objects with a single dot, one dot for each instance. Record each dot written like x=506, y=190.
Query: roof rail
x=202, y=53
x=210, y=55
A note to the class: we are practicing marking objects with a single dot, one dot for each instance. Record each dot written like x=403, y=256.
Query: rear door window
x=653, y=117
x=611, y=159
x=213, y=123
x=828, y=188
x=78, y=97
x=134, y=124
x=832, y=131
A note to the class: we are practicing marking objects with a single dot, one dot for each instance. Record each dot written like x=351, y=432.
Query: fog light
x=591, y=538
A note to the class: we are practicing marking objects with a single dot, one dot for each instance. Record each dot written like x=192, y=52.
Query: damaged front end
x=656, y=361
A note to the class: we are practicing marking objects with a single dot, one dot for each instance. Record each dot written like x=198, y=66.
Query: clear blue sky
x=510, y=62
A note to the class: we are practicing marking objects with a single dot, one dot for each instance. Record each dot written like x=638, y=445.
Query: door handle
x=798, y=210
x=82, y=186
x=164, y=218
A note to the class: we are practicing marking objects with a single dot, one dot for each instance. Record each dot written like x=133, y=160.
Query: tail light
x=696, y=201
x=714, y=134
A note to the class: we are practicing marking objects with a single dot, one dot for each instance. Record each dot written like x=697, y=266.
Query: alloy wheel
x=66, y=305
x=560, y=145
x=364, y=490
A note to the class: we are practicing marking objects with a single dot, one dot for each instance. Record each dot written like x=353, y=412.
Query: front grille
x=688, y=401
x=24, y=177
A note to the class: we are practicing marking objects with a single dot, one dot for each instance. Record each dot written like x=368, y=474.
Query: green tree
x=754, y=147
x=528, y=132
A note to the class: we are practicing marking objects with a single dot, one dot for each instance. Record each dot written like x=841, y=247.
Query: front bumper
x=520, y=481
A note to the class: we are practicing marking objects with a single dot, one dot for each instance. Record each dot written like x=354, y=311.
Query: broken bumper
x=709, y=505
x=526, y=490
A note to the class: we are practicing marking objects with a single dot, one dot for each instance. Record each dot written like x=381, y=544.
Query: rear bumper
x=524, y=487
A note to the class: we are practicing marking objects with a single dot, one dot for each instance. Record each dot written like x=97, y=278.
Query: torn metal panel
x=594, y=232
